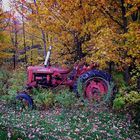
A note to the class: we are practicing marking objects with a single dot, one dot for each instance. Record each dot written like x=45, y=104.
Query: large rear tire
x=94, y=85
x=95, y=88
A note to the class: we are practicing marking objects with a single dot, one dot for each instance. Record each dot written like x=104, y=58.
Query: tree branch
x=105, y=12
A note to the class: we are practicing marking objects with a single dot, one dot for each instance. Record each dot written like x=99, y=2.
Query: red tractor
x=95, y=83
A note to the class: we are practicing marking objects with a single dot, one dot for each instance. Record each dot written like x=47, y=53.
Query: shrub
x=44, y=98
x=133, y=97
x=119, y=79
x=133, y=105
x=4, y=77
x=135, y=75
x=16, y=82
x=126, y=99
x=48, y=98
x=65, y=98
x=119, y=103
x=130, y=102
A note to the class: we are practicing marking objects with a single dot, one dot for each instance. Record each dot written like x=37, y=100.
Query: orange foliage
x=101, y=31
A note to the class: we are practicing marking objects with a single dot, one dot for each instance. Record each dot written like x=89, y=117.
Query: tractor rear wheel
x=95, y=88
x=95, y=85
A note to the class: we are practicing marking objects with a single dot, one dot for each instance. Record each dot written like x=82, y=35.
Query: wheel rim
x=25, y=103
x=22, y=103
x=96, y=88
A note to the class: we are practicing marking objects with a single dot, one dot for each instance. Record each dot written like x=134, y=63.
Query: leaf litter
x=68, y=124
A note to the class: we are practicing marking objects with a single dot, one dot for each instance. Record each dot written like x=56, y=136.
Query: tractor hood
x=43, y=70
x=47, y=70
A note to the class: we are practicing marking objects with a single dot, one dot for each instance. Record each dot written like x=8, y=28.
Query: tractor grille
x=41, y=79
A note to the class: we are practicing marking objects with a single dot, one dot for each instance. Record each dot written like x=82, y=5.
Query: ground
x=78, y=123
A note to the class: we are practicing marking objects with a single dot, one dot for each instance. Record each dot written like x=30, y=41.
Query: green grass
x=66, y=124
x=3, y=134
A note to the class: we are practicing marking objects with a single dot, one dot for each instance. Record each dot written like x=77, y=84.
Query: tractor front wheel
x=25, y=100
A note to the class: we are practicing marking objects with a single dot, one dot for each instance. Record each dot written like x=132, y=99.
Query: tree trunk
x=79, y=51
x=24, y=39
x=15, y=52
x=78, y=45
x=127, y=75
x=44, y=42
x=14, y=42
x=14, y=60
x=32, y=52
x=110, y=66
x=124, y=19
x=138, y=84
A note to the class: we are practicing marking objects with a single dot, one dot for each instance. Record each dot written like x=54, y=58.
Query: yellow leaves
x=103, y=47
x=62, y=20
x=5, y=46
x=87, y=10
x=33, y=56
x=4, y=55
x=128, y=1
x=3, y=21
x=134, y=8
x=133, y=39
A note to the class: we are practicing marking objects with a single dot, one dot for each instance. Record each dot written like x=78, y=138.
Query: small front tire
x=25, y=99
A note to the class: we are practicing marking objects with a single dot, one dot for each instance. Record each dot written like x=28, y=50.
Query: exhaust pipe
x=46, y=63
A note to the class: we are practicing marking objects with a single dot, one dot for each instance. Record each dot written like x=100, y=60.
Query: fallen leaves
x=67, y=124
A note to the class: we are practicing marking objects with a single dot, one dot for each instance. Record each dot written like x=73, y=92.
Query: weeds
x=128, y=102
x=47, y=98
x=65, y=98
x=44, y=98
x=11, y=82
x=4, y=77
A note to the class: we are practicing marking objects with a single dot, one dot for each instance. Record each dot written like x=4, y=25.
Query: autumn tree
x=13, y=29
x=95, y=30
x=67, y=24
x=5, y=46
x=126, y=14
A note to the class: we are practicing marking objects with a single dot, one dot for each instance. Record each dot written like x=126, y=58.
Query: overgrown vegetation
x=11, y=82
x=14, y=81
x=45, y=98
x=128, y=97
x=65, y=116
x=4, y=77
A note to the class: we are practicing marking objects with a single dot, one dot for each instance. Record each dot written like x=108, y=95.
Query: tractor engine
x=45, y=77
